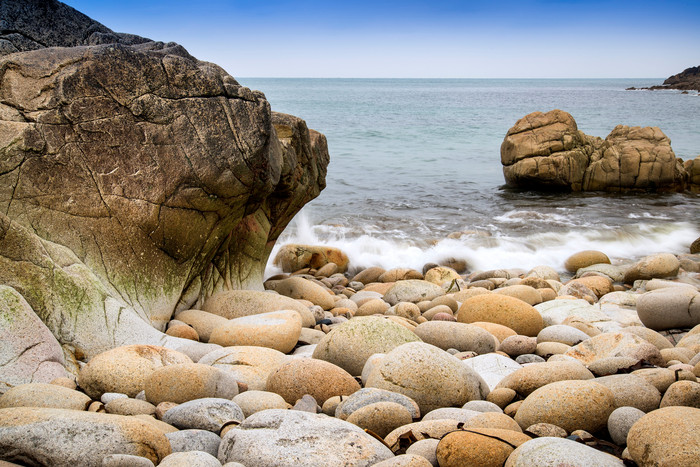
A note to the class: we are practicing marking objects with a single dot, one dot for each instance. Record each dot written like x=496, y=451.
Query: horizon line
x=425, y=78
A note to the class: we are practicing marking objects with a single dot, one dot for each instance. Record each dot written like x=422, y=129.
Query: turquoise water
x=413, y=160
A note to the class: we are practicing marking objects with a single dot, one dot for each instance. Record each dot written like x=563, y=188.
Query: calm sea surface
x=413, y=160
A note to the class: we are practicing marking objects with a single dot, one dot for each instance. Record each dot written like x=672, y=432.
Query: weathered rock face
x=547, y=151
x=136, y=180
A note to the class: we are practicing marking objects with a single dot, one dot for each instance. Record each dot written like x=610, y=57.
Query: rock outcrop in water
x=687, y=80
x=135, y=180
x=546, y=151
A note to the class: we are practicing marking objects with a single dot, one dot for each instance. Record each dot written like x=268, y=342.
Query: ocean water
x=415, y=160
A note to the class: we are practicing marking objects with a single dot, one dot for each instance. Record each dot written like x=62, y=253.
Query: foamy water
x=498, y=250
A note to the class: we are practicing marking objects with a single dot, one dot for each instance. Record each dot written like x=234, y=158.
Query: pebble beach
x=594, y=365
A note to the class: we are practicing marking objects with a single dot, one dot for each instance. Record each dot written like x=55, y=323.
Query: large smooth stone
x=682, y=393
x=492, y=367
x=667, y=436
x=279, y=438
x=69, y=438
x=615, y=345
x=44, y=395
x=428, y=375
x=550, y=451
x=670, y=308
x=251, y=402
x=248, y=364
x=318, y=378
x=572, y=405
x=29, y=352
x=486, y=447
x=125, y=369
x=279, y=330
x=502, y=309
x=586, y=258
x=367, y=396
x=293, y=257
x=654, y=266
x=633, y=391
x=204, y=414
x=413, y=291
x=189, y=381
x=350, y=344
x=233, y=304
x=535, y=375
x=299, y=288
x=441, y=275
x=460, y=336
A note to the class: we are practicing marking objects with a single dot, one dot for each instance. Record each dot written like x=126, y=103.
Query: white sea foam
x=391, y=249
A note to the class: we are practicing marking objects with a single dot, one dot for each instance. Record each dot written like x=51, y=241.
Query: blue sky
x=421, y=39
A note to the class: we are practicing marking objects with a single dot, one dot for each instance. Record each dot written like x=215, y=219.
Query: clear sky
x=421, y=38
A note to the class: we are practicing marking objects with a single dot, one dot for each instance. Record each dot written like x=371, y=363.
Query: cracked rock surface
x=135, y=180
x=546, y=151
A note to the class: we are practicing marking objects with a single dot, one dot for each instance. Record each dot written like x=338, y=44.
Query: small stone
x=531, y=377
x=620, y=422
x=254, y=401
x=279, y=330
x=529, y=358
x=190, y=458
x=44, y=395
x=183, y=331
x=412, y=291
x=189, y=381
x=572, y=405
x=400, y=274
x=611, y=365
x=632, y=391
x=381, y=417
x=525, y=293
x=204, y=414
x=486, y=447
x=518, y=345
x=425, y=448
x=670, y=308
x=540, y=430
x=194, y=440
x=559, y=452
x=318, y=378
x=460, y=336
x=451, y=413
x=682, y=393
x=127, y=406
x=502, y=309
x=164, y=407
x=501, y=397
x=367, y=396
x=615, y=345
x=492, y=367
x=247, y=364
x=122, y=460
x=202, y=322
x=584, y=259
x=561, y=333
x=655, y=266
x=307, y=404
x=494, y=420
x=482, y=406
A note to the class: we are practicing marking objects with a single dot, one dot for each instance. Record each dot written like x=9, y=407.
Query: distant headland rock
x=135, y=180
x=687, y=80
x=546, y=151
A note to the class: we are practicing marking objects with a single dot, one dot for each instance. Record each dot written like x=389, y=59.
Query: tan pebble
x=525, y=293
x=501, y=397
x=546, y=429
x=189, y=381
x=518, y=345
x=585, y=258
x=400, y=274
x=379, y=287
x=446, y=300
x=96, y=406
x=681, y=354
x=407, y=310
x=318, y=378
x=512, y=409
x=164, y=407
x=183, y=331
x=682, y=393
x=494, y=420
x=502, y=309
x=128, y=406
x=487, y=447
x=381, y=417
x=65, y=382
x=544, y=349
x=498, y=330
x=430, y=313
x=369, y=275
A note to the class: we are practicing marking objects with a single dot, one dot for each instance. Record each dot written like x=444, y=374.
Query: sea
x=416, y=162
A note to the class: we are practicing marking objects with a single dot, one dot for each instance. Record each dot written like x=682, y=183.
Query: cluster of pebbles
x=596, y=366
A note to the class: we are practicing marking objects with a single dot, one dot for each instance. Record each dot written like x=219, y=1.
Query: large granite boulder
x=136, y=181
x=546, y=151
